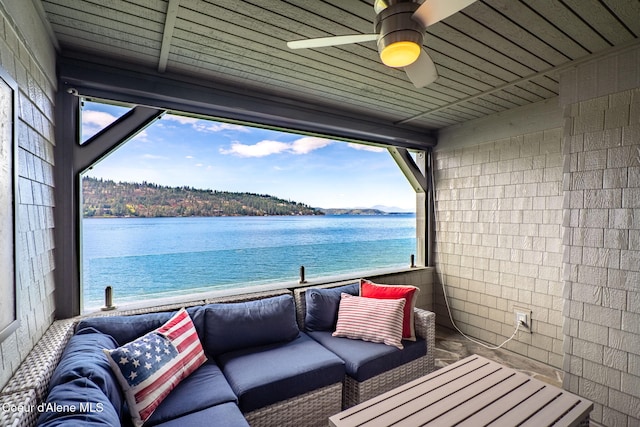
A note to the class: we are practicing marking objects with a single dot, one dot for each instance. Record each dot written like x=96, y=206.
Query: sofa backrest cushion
x=125, y=329
x=83, y=359
x=234, y=326
x=322, y=306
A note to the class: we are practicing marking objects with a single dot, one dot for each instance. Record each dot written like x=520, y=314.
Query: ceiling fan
x=399, y=28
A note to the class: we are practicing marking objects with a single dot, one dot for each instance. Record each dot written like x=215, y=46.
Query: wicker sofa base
x=19, y=409
x=308, y=410
x=355, y=392
x=20, y=397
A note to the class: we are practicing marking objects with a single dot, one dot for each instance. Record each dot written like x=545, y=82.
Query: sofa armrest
x=37, y=368
x=425, y=324
x=30, y=383
x=299, y=295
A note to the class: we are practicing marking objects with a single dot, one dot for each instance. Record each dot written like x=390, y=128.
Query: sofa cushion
x=149, y=367
x=204, y=388
x=364, y=360
x=322, y=306
x=235, y=326
x=78, y=402
x=370, y=319
x=223, y=415
x=83, y=358
x=369, y=289
x=261, y=376
x=125, y=329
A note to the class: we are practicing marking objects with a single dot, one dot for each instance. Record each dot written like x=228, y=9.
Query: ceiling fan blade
x=432, y=11
x=331, y=41
x=423, y=71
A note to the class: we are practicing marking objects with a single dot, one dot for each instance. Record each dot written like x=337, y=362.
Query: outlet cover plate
x=523, y=314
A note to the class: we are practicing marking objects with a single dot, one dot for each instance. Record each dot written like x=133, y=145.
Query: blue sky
x=320, y=172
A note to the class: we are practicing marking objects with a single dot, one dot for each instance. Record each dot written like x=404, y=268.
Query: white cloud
x=364, y=147
x=141, y=136
x=153, y=157
x=208, y=126
x=264, y=148
x=188, y=157
x=94, y=121
x=260, y=149
x=219, y=127
x=308, y=144
x=183, y=120
x=98, y=119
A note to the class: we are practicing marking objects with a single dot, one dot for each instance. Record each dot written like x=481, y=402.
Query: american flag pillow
x=371, y=319
x=149, y=367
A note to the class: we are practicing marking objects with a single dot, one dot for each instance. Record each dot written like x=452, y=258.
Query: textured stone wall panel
x=499, y=230
x=34, y=138
x=602, y=246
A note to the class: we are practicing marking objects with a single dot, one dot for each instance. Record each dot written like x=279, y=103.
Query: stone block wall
x=499, y=240
x=602, y=235
x=30, y=63
x=422, y=277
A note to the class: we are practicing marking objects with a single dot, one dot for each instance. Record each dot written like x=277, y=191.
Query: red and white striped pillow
x=369, y=289
x=371, y=319
x=149, y=367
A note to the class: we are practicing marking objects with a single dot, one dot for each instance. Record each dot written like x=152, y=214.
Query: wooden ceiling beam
x=167, y=34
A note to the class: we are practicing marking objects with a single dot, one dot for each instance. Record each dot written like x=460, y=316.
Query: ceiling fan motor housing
x=395, y=24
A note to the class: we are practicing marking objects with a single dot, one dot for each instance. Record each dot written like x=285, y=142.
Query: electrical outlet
x=523, y=318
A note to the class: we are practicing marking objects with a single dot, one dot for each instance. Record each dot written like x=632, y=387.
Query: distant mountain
x=124, y=199
x=354, y=211
x=375, y=210
x=392, y=209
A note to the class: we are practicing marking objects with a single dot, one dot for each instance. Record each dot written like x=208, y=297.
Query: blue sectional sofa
x=371, y=368
x=261, y=369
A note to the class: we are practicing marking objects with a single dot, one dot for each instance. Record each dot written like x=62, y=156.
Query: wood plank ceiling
x=492, y=56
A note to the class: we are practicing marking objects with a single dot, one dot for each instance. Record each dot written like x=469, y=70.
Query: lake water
x=159, y=257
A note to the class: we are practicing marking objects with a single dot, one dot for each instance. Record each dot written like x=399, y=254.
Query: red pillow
x=369, y=289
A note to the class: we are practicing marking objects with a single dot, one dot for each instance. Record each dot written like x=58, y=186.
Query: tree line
x=107, y=198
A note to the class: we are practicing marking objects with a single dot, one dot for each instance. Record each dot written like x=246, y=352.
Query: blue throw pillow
x=322, y=306
x=235, y=326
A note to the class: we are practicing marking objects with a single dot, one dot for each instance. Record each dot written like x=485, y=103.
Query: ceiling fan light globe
x=400, y=54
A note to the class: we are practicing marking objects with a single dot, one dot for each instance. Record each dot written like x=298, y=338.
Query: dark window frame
x=162, y=93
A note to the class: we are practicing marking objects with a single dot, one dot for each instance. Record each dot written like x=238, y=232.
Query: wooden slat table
x=472, y=392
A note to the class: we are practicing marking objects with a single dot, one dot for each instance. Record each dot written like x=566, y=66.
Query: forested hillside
x=124, y=199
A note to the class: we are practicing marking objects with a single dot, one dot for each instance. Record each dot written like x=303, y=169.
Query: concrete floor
x=451, y=347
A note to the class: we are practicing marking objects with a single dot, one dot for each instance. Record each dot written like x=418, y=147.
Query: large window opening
x=194, y=205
